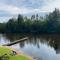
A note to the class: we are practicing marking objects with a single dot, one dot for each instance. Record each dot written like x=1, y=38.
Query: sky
x=11, y=8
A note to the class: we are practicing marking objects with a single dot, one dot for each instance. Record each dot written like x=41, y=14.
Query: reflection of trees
x=33, y=41
x=52, y=40
x=13, y=37
x=22, y=44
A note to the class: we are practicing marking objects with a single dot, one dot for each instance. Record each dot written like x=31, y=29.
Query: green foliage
x=7, y=54
x=49, y=24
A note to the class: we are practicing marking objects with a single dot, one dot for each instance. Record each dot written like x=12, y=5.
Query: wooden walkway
x=17, y=41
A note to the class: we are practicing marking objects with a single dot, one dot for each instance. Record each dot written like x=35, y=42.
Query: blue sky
x=11, y=8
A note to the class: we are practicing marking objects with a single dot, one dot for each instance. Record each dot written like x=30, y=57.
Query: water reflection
x=3, y=40
x=45, y=47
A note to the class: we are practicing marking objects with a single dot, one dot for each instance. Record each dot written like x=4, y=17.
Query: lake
x=40, y=47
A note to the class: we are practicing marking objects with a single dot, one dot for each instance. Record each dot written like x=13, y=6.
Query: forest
x=35, y=24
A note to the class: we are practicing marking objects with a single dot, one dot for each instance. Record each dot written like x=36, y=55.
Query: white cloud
x=49, y=6
x=14, y=8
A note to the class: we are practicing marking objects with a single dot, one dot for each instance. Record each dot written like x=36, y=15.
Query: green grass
x=18, y=58
x=8, y=52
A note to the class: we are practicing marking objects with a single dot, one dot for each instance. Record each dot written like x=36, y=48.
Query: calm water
x=43, y=47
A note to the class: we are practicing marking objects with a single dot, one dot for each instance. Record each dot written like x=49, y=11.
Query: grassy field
x=9, y=54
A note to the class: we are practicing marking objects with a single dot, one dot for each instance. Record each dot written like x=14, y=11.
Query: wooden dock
x=17, y=41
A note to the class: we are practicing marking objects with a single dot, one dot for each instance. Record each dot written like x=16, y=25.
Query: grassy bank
x=9, y=54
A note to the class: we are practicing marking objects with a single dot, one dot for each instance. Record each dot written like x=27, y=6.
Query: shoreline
x=19, y=52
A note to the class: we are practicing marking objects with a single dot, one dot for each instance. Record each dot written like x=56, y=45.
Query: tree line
x=48, y=24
